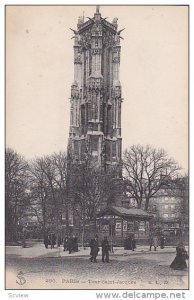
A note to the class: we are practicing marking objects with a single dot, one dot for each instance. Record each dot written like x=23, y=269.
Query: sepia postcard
x=96, y=158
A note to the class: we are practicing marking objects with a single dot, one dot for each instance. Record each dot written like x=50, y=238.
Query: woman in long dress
x=179, y=263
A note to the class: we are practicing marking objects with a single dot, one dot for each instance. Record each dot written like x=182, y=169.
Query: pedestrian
x=53, y=240
x=94, y=249
x=155, y=241
x=70, y=246
x=46, y=241
x=105, y=250
x=128, y=243
x=49, y=240
x=133, y=242
x=65, y=243
x=162, y=241
x=179, y=262
x=75, y=244
x=59, y=241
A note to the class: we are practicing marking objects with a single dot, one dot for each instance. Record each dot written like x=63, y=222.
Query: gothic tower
x=95, y=122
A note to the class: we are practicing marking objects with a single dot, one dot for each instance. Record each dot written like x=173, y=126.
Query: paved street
x=48, y=269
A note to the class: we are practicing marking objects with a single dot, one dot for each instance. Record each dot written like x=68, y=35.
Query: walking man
x=94, y=249
x=46, y=241
x=105, y=250
x=133, y=242
x=66, y=243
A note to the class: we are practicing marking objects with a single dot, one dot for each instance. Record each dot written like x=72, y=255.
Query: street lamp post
x=111, y=235
x=24, y=237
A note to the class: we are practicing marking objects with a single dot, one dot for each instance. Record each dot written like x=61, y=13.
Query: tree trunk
x=83, y=235
x=57, y=229
x=147, y=204
x=44, y=221
x=67, y=219
x=138, y=204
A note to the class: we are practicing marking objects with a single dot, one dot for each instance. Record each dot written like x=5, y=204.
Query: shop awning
x=127, y=213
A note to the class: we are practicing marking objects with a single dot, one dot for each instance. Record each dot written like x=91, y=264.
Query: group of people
x=179, y=262
x=155, y=240
x=130, y=243
x=50, y=239
x=94, y=249
x=70, y=244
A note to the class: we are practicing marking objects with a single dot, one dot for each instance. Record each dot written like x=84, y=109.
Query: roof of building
x=82, y=26
x=125, y=212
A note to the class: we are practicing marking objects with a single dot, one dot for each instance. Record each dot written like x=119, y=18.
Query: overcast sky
x=153, y=74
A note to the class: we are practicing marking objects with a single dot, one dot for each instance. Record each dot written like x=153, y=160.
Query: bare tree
x=16, y=184
x=92, y=189
x=62, y=177
x=146, y=171
x=45, y=189
x=39, y=193
x=83, y=185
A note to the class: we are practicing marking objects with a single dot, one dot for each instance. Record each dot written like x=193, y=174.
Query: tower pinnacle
x=97, y=9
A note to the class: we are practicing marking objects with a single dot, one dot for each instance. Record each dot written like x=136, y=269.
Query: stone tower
x=95, y=122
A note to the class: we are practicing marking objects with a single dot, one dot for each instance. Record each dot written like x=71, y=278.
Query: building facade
x=95, y=122
x=169, y=208
x=171, y=214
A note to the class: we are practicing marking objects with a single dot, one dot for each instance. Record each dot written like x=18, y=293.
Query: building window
x=119, y=148
x=109, y=120
x=83, y=149
x=142, y=226
x=136, y=226
x=114, y=149
x=165, y=216
x=76, y=147
x=94, y=144
x=154, y=207
x=130, y=226
x=108, y=150
x=166, y=206
x=82, y=117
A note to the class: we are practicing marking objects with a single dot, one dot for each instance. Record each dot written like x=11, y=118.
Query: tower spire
x=97, y=9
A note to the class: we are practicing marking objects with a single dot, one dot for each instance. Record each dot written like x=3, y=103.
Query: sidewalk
x=38, y=250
